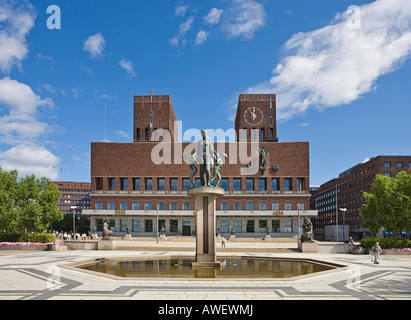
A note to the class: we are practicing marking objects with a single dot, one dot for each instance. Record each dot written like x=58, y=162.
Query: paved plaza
x=42, y=275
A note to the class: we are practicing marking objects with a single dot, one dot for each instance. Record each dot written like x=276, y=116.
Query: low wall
x=334, y=247
x=82, y=245
x=24, y=248
x=395, y=252
x=54, y=247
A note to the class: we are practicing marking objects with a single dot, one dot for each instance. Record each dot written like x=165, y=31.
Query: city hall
x=141, y=186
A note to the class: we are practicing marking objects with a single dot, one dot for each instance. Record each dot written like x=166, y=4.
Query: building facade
x=346, y=193
x=75, y=196
x=142, y=186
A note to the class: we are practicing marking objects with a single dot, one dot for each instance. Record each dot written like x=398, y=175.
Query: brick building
x=350, y=186
x=75, y=196
x=133, y=183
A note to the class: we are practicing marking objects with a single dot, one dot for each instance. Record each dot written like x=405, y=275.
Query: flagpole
x=105, y=122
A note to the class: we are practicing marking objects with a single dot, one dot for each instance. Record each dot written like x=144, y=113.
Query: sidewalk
x=29, y=276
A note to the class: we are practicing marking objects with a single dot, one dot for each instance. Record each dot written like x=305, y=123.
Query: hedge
x=386, y=243
x=29, y=237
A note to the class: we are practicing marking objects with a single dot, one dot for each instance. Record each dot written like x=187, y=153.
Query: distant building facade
x=264, y=194
x=75, y=196
x=346, y=192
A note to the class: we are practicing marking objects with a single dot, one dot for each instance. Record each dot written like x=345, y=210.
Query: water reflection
x=180, y=267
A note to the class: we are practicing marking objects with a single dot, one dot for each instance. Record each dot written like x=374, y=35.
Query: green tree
x=27, y=204
x=389, y=204
x=9, y=218
x=66, y=224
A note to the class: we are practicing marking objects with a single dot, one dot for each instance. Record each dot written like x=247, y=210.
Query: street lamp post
x=298, y=225
x=336, y=209
x=343, y=210
x=157, y=225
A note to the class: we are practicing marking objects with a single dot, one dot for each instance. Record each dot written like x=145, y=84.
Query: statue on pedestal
x=106, y=231
x=307, y=230
x=205, y=154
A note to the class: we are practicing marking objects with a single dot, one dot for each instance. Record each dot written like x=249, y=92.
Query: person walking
x=376, y=250
x=223, y=242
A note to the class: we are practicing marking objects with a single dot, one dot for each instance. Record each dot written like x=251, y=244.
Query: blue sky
x=341, y=83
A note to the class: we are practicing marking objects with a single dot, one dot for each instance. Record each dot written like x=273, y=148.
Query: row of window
x=263, y=134
x=250, y=184
x=74, y=190
x=156, y=134
x=69, y=207
x=75, y=201
x=387, y=164
x=186, y=206
x=148, y=225
x=76, y=196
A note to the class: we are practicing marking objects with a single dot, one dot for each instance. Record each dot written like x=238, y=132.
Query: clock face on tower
x=253, y=116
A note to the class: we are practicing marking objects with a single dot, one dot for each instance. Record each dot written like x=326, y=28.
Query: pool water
x=233, y=267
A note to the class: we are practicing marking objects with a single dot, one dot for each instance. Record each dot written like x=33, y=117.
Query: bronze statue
x=263, y=153
x=193, y=165
x=205, y=154
x=106, y=231
x=220, y=159
x=307, y=230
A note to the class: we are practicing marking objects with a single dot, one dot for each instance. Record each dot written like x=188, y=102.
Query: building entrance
x=186, y=230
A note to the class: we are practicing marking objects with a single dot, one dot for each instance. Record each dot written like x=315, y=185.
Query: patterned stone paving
x=43, y=275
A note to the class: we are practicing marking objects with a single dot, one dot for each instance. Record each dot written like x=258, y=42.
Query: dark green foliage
x=27, y=204
x=388, y=206
x=29, y=237
x=386, y=243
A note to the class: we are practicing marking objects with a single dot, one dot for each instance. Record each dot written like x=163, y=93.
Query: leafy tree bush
x=389, y=204
x=386, y=243
x=27, y=204
x=29, y=237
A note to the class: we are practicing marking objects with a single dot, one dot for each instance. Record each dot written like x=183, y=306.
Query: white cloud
x=201, y=37
x=128, y=66
x=87, y=69
x=244, y=18
x=95, y=45
x=181, y=10
x=338, y=64
x=16, y=22
x=30, y=159
x=122, y=133
x=213, y=17
x=19, y=121
x=19, y=105
x=179, y=39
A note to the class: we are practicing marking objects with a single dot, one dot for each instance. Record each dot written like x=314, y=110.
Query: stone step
x=218, y=249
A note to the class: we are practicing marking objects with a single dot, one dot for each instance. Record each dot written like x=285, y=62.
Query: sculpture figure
x=205, y=154
x=106, y=232
x=232, y=231
x=191, y=159
x=263, y=153
x=220, y=159
x=307, y=230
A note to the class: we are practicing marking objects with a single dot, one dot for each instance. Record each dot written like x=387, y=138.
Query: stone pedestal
x=127, y=236
x=205, y=225
x=309, y=246
x=106, y=244
x=268, y=236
